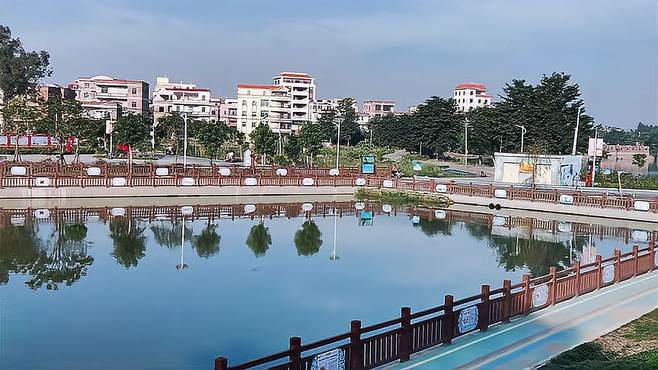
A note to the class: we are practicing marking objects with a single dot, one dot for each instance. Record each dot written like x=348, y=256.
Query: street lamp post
x=466, y=143
x=523, y=131
x=185, y=142
x=575, y=133
x=338, y=144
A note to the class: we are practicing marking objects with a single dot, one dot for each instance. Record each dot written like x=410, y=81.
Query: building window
x=133, y=104
x=160, y=109
x=471, y=92
x=86, y=95
x=134, y=91
x=471, y=100
x=203, y=109
x=169, y=108
x=104, y=89
x=203, y=97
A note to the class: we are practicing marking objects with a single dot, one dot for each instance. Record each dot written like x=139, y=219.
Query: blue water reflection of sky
x=152, y=316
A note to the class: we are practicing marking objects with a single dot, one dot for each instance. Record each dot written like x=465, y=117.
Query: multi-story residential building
x=132, y=95
x=326, y=105
x=471, y=95
x=169, y=97
x=215, y=109
x=228, y=112
x=301, y=87
x=378, y=108
x=268, y=104
x=103, y=110
x=51, y=90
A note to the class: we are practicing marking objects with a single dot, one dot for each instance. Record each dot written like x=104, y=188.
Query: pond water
x=126, y=288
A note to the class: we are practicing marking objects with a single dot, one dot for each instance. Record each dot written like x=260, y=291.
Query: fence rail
x=397, y=339
x=52, y=175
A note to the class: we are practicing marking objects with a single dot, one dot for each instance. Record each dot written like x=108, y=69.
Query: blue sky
x=404, y=50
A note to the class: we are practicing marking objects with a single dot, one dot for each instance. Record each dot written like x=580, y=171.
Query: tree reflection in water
x=259, y=239
x=20, y=249
x=206, y=244
x=129, y=241
x=512, y=252
x=308, y=239
x=67, y=260
x=169, y=234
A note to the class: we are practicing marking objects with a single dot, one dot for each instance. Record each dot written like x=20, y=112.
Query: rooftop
x=471, y=85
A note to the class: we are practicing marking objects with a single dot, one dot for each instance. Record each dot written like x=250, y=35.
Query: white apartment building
x=170, y=97
x=215, y=109
x=470, y=96
x=132, y=95
x=325, y=105
x=268, y=104
x=102, y=110
x=301, y=87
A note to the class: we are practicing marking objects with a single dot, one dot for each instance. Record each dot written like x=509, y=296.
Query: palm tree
x=259, y=239
x=308, y=239
x=207, y=243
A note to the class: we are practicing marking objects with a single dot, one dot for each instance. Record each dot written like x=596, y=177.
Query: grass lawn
x=633, y=346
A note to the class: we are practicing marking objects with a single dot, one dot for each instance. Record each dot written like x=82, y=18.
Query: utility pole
x=575, y=134
x=338, y=145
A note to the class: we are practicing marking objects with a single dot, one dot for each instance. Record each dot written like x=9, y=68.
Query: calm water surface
x=112, y=293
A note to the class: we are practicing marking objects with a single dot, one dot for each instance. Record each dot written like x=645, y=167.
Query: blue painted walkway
x=532, y=340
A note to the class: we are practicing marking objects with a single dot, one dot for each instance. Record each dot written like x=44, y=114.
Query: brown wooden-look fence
x=395, y=340
x=76, y=175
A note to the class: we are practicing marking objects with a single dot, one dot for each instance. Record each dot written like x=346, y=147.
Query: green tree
x=264, y=141
x=212, y=136
x=327, y=126
x=133, y=130
x=206, y=244
x=293, y=148
x=438, y=125
x=350, y=132
x=63, y=120
x=20, y=114
x=259, y=239
x=639, y=159
x=129, y=241
x=311, y=138
x=168, y=130
x=20, y=70
x=308, y=239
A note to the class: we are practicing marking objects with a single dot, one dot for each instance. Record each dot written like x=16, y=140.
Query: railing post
x=617, y=265
x=635, y=260
x=295, y=353
x=483, y=320
x=507, y=300
x=527, y=296
x=576, y=269
x=652, y=252
x=405, y=334
x=599, y=272
x=449, y=329
x=553, y=273
x=221, y=363
x=356, y=346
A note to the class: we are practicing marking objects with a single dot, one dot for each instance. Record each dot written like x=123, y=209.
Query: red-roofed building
x=131, y=95
x=471, y=95
x=171, y=97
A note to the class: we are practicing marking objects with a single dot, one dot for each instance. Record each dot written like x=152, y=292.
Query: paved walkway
x=532, y=340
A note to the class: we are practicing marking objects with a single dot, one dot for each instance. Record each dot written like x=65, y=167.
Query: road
x=532, y=340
